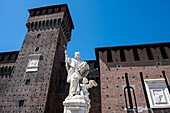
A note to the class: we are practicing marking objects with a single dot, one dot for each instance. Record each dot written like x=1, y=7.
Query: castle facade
x=130, y=79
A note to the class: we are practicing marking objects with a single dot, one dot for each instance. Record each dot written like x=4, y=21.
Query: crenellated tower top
x=57, y=16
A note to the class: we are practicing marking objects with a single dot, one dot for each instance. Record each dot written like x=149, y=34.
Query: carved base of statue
x=75, y=104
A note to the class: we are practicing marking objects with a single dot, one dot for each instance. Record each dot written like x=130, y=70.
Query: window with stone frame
x=158, y=93
x=33, y=62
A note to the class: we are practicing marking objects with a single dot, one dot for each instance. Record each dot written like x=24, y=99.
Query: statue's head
x=77, y=55
x=85, y=80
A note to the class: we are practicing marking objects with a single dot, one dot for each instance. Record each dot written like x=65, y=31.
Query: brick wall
x=115, y=72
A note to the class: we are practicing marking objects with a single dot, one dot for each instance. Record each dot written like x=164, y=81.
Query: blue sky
x=98, y=23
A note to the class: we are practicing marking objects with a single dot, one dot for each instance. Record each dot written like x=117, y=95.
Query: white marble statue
x=84, y=90
x=76, y=70
x=78, y=99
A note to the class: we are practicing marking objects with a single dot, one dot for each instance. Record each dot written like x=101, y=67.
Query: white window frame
x=33, y=63
x=159, y=85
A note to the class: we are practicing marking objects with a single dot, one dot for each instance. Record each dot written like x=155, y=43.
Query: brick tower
x=39, y=68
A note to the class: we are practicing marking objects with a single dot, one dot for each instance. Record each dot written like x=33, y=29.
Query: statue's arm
x=66, y=55
x=67, y=59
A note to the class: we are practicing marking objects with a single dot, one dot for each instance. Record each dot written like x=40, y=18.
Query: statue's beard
x=77, y=58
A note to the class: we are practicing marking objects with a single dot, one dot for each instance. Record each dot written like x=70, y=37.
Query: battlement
x=135, y=55
x=57, y=16
x=8, y=57
x=7, y=61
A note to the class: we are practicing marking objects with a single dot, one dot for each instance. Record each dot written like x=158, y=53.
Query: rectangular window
x=27, y=82
x=21, y=103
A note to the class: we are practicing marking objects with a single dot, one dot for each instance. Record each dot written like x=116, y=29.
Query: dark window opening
x=135, y=54
x=39, y=24
x=44, y=11
x=2, y=69
x=32, y=25
x=36, y=25
x=32, y=13
x=50, y=11
x=27, y=82
x=16, y=56
x=9, y=57
x=59, y=9
x=59, y=21
x=37, y=49
x=51, y=22
x=47, y=23
x=37, y=12
x=43, y=23
x=55, y=21
x=163, y=53
x=2, y=57
x=149, y=54
x=38, y=36
x=6, y=68
x=122, y=55
x=144, y=90
x=21, y=103
x=109, y=56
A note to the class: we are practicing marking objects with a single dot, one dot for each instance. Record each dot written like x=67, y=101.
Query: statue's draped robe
x=74, y=76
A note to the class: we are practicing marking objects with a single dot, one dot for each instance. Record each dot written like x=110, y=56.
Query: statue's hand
x=65, y=51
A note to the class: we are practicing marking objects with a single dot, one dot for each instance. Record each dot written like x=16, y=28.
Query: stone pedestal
x=75, y=106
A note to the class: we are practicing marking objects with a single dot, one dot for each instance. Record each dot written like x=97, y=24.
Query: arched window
x=51, y=23
x=28, y=26
x=47, y=23
x=37, y=49
x=9, y=69
x=59, y=21
x=55, y=22
x=6, y=68
x=43, y=24
x=32, y=25
x=39, y=24
x=2, y=69
x=36, y=25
